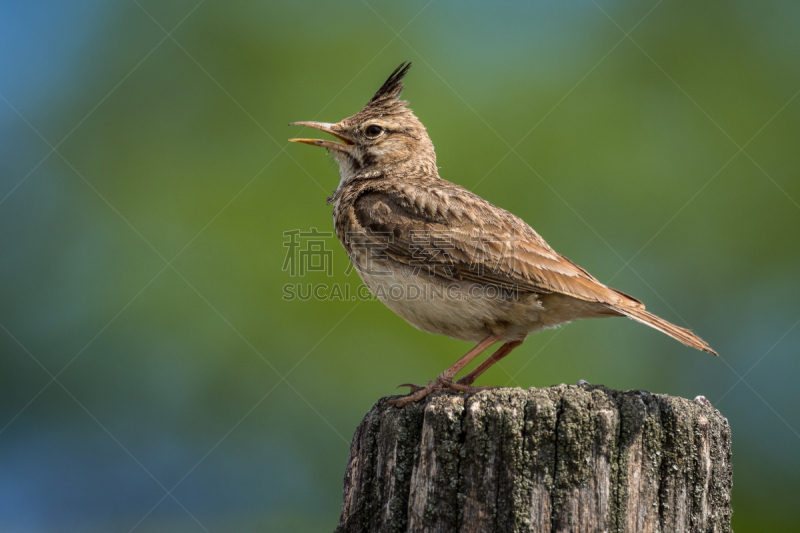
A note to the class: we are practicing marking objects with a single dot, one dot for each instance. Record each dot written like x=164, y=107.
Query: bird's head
x=384, y=136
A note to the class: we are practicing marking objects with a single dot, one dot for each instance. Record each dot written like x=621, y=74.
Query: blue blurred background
x=154, y=377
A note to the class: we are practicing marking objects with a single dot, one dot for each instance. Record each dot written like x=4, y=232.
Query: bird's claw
x=414, y=388
x=439, y=384
x=465, y=385
x=416, y=394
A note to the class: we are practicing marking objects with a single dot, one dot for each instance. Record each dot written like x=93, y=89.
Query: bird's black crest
x=387, y=100
x=392, y=87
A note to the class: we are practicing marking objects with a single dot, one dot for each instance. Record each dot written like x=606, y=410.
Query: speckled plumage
x=405, y=227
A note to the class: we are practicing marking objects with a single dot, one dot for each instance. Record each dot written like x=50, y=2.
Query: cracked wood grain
x=562, y=459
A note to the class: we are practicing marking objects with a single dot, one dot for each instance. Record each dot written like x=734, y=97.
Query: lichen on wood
x=566, y=458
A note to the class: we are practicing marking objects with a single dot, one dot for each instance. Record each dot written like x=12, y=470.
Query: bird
x=443, y=258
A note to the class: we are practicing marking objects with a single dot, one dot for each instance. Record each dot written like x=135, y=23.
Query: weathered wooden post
x=577, y=458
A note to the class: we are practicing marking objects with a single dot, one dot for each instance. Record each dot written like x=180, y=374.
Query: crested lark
x=445, y=259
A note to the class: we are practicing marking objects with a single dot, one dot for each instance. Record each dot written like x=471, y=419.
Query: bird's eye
x=374, y=130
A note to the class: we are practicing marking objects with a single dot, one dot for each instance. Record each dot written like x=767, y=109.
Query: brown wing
x=447, y=230
x=463, y=237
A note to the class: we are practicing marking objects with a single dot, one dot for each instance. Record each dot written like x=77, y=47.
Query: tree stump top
x=566, y=458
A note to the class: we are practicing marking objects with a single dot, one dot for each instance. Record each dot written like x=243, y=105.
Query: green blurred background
x=141, y=262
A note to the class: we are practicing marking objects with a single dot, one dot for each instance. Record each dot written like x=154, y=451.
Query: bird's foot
x=414, y=388
x=465, y=385
x=439, y=384
x=417, y=393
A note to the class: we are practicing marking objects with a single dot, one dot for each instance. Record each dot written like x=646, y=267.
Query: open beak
x=327, y=128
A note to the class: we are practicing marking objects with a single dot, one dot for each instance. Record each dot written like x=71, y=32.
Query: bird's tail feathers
x=684, y=335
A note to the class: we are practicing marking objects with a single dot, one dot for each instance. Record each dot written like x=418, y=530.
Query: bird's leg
x=459, y=365
x=501, y=352
x=445, y=379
